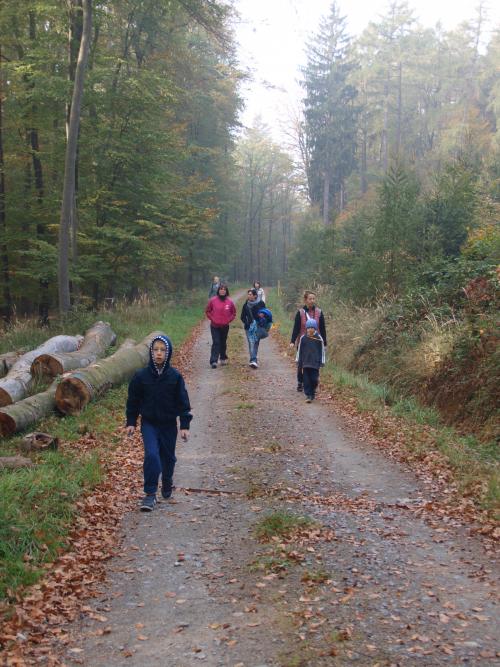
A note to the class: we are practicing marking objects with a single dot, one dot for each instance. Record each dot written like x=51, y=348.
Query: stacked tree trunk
x=97, y=339
x=18, y=381
x=80, y=387
x=21, y=415
x=75, y=389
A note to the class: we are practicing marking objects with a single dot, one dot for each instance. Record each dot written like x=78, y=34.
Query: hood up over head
x=168, y=344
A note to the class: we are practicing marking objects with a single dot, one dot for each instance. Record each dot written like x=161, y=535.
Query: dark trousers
x=159, y=455
x=219, y=343
x=311, y=380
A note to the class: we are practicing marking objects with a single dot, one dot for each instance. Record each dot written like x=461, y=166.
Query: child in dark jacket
x=310, y=358
x=158, y=393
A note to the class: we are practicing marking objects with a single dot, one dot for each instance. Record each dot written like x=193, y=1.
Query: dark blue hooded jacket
x=159, y=395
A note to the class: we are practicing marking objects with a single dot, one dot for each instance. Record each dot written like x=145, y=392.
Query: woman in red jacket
x=220, y=311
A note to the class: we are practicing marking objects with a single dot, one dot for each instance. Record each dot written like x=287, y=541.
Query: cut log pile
x=17, y=383
x=82, y=375
x=97, y=340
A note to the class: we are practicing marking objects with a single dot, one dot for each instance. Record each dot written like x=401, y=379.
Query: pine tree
x=330, y=112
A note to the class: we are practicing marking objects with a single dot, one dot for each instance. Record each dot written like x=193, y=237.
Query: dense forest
x=139, y=205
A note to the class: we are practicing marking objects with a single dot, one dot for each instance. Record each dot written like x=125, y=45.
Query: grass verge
x=281, y=524
x=474, y=464
x=38, y=503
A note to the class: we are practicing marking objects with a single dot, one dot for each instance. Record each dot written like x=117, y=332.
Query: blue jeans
x=159, y=454
x=253, y=347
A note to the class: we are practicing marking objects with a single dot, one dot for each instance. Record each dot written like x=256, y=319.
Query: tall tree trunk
x=70, y=161
x=364, y=141
x=400, y=111
x=6, y=310
x=36, y=165
x=258, y=249
x=74, y=41
x=43, y=299
x=190, y=269
x=249, y=255
x=326, y=198
x=342, y=196
x=269, y=238
x=385, y=129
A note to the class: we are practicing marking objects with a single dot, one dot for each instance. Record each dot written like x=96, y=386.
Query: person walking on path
x=310, y=358
x=260, y=291
x=220, y=311
x=308, y=311
x=248, y=316
x=214, y=287
x=158, y=393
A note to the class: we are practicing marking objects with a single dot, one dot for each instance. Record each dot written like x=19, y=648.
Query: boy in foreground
x=158, y=393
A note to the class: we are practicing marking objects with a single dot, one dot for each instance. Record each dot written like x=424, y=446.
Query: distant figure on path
x=308, y=311
x=214, y=287
x=310, y=358
x=248, y=316
x=260, y=291
x=220, y=311
x=158, y=393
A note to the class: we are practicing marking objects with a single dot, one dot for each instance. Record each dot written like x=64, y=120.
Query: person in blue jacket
x=158, y=393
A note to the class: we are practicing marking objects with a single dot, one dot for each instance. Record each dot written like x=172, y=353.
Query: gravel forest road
x=371, y=582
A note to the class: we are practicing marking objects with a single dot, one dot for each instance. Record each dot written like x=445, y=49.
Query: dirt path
x=371, y=583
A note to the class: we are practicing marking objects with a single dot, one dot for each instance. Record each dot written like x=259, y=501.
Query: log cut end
x=5, y=398
x=7, y=425
x=46, y=366
x=72, y=395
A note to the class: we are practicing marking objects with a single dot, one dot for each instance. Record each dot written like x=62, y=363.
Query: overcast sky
x=272, y=36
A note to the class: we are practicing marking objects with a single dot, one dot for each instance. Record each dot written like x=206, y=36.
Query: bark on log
x=97, y=339
x=7, y=360
x=76, y=390
x=21, y=415
x=17, y=383
x=13, y=462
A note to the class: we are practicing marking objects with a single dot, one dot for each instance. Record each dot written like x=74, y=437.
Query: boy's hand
x=184, y=434
x=292, y=344
x=130, y=430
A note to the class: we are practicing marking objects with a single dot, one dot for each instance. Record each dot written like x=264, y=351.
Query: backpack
x=263, y=324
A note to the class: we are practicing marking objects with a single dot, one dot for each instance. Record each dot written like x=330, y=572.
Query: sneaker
x=309, y=399
x=254, y=364
x=223, y=362
x=213, y=365
x=300, y=387
x=148, y=503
